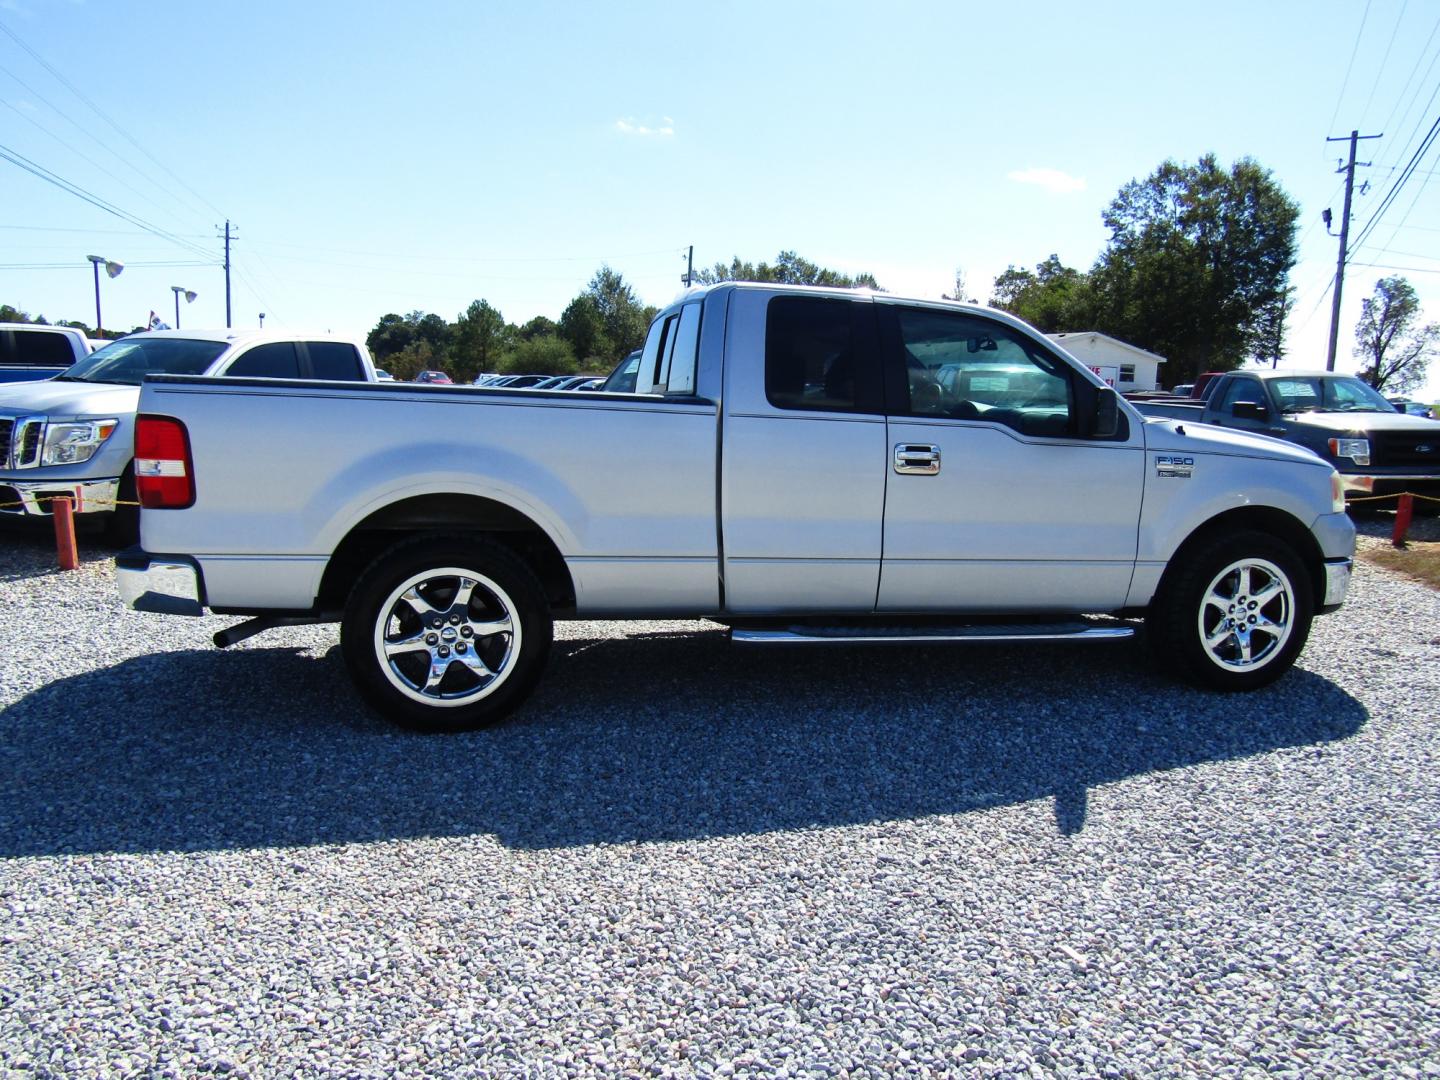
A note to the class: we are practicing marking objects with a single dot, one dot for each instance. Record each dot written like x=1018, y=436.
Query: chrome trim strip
x=862, y=637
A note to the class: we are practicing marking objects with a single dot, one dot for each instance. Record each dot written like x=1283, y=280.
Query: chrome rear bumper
x=159, y=584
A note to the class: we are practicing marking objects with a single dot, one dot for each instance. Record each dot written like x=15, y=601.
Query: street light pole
x=189, y=299
x=111, y=268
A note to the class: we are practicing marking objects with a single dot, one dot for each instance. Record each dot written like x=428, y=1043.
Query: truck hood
x=1188, y=437
x=1363, y=421
x=52, y=398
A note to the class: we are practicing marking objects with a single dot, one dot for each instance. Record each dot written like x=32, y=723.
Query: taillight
x=163, y=473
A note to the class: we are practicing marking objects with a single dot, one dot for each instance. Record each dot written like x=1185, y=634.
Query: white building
x=1122, y=365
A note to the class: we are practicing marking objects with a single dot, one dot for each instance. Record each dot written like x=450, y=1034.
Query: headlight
x=1357, y=450
x=70, y=444
x=1337, y=493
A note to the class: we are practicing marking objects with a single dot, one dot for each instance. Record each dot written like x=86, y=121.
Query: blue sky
x=378, y=157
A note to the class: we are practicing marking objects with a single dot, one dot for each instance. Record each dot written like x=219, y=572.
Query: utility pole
x=1349, y=171
x=689, y=277
x=227, y=275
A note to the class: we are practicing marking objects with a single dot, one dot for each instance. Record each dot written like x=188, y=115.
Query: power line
x=83, y=157
x=1399, y=184
x=102, y=114
x=107, y=232
x=72, y=265
x=1408, y=269
x=16, y=158
x=89, y=135
x=1384, y=60
x=1386, y=126
x=1345, y=83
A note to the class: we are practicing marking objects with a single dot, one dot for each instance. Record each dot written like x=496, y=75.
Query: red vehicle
x=433, y=377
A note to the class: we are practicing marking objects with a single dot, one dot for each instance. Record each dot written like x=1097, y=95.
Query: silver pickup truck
x=802, y=465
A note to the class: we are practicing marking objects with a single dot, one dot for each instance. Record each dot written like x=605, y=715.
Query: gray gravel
x=687, y=859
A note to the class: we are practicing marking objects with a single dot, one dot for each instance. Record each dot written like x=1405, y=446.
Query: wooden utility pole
x=1349, y=171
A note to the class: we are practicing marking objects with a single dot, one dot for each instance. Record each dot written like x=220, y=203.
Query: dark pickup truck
x=1377, y=450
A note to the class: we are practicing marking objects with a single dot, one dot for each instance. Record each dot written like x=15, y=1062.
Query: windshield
x=129, y=360
x=1326, y=393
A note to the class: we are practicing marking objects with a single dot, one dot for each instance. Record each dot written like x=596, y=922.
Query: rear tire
x=446, y=634
x=1234, y=614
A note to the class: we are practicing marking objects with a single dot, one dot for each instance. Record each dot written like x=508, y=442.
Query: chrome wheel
x=447, y=637
x=1247, y=614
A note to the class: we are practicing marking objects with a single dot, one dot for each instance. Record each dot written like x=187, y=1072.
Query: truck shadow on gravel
x=640, y=738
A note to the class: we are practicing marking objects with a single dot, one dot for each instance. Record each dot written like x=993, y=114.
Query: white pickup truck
x=802, y=465
x=71, y=434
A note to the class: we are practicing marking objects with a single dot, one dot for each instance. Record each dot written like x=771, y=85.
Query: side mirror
x=1105, y=421
x=1249, y=410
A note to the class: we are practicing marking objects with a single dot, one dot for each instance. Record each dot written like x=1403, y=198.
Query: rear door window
x=41, y=348
x=273, y=360
x=334, y=360
x=820, y=355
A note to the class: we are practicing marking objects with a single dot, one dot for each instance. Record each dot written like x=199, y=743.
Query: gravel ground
x=683, y=858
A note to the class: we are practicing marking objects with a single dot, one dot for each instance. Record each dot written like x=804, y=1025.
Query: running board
x=911, y=635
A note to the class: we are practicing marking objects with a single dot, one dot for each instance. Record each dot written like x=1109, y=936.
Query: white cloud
x=1050, y=179
x=630, y=126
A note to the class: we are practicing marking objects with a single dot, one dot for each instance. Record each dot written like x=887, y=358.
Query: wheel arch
x=1267, y=519
x=448, y=514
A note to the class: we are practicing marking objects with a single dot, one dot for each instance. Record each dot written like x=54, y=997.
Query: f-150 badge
x=1169, y=465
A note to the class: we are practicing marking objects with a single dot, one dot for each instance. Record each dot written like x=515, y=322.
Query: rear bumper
x=32, y=497
x=161, y=584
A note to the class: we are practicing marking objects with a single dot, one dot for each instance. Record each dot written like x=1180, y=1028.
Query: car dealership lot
x=682, y=857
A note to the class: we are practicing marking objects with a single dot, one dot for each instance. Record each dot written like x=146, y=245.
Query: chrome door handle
x=917, y=459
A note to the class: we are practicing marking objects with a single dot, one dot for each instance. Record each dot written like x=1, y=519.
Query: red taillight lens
x=164, y=478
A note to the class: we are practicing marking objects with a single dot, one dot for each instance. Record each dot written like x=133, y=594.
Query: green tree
x=416, y=357
x=1053, y=298
x=788, y=269
x=605, y=321
x=1197, y=264
x=542, y=354
x=1395, y=351
x=396, y=333
x=391, y=335
x=584, y=330
x=479, y=337
x=538, y=327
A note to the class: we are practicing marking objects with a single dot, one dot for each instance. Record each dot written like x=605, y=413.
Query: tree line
x=597, y=328
x=1197, y=269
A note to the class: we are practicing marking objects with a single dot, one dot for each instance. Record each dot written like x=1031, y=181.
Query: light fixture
x=189, y=299
x=112, y=268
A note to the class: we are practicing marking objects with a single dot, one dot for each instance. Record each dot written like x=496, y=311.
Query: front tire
x=1234, y=614
x=446, y=634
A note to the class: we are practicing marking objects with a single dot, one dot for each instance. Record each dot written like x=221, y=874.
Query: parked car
x=432, y=377
x=74, y=435
x=447, y=535
x=1340, y=418
x=594, y=382
x=1412, y=408
x=381, y=375
x=524, y=382
x=30, y=351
